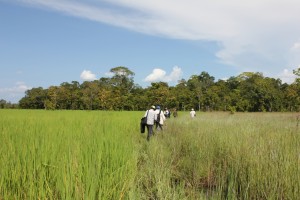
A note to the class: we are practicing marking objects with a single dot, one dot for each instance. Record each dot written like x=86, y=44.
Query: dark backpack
x=158, y=117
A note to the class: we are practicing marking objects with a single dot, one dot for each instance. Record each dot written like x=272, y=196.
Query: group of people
x=167, y=113
x=155, y=117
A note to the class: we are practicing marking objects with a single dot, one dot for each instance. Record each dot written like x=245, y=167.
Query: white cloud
x=175, y=75
x=156, y=75
x=87, y=75
x=253, y=34
x=287, y=76
x=14, y=93
x=161, y=75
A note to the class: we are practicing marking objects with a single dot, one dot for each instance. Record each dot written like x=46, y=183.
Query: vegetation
x=65, y=155
x=248, y=91
x=6, y=104
x=102, y=155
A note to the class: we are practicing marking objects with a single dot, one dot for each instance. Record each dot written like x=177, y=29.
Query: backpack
x=158, y=117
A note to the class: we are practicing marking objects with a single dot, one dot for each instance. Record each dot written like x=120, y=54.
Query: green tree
x=195, y=87
x=292, y=97
x=262, y=94
x=199, y=86
x=2, y=103
x=68, y=95
x=34, y=99
x=105, y=94
x=218, y=96
x=51, y=101
x=139, y=98
x=182, y=95
x=158, y=93
x=223, y=91
x=89, y=96
x=122, y=82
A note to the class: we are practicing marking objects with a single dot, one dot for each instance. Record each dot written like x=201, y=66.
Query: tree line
x=247, y=92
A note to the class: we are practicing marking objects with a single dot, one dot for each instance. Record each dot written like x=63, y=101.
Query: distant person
x=193, y=113
x=175, y=114
x=169, y=114
x=166, y=113
x=160, y=118
x=151, y=117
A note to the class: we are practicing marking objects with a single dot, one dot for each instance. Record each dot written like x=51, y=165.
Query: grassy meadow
x=102, y=155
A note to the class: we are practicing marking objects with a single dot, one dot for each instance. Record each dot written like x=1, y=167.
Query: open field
x=102, y=155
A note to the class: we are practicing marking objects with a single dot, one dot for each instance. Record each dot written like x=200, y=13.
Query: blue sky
x=48, y=42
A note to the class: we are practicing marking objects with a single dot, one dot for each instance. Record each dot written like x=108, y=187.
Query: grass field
x=102, y=155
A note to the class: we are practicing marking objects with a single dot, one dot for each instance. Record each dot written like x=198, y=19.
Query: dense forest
x=247, y=92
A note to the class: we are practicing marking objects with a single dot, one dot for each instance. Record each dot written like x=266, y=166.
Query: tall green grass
x=66, y=154
x=102, y=155
x=223, y=156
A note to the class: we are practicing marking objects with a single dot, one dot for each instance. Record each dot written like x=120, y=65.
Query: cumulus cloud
x=156, y=75
x=175, y=74
x=161, y=75
x=14, y=93
x=254, y=34
x=87, y=75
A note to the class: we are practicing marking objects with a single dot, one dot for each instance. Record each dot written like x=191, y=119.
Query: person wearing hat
x=151, y=117
x=160, y=118
x=192, y=113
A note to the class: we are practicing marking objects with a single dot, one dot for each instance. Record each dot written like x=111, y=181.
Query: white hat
x=192, y=108
x=153, y=107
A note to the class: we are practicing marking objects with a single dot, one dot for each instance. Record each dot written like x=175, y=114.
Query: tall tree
x=34, y=99
x=218, y=96
x=182, y=95
x=69, y=95
x=195, y=87
x=122, y=82
x=123, y=78
x=51, y=101
x=292, y=97
x=158, y=93
x=89, y=95
x=199, y=85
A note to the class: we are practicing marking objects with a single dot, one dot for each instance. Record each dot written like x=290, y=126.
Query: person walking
x=166, y=112
x=175, y=114
x=151, y=117
x=160, y=118
x=192, y=113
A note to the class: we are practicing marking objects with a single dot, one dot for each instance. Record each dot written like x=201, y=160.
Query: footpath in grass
x=221, y=156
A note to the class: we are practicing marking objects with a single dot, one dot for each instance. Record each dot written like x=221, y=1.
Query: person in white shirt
x=151, y=117
x=166, y=112
x=192, y=113
x=160, y=118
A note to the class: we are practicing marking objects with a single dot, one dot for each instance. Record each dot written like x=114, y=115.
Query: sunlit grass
x=102, y=155
x=66, y=154
x=240, y=156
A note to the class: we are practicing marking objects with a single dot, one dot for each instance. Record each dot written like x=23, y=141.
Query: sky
x=44, y=43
